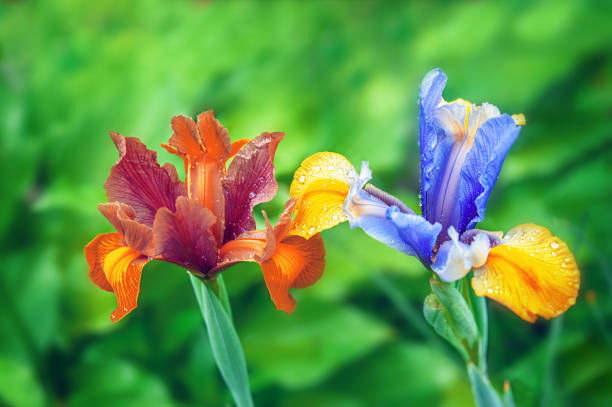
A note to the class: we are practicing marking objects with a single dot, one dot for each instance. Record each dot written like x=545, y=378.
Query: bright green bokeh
x=334, y=76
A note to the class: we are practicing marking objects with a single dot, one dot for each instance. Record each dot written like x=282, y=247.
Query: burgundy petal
x=249, y=181
x=184, y=237
x=121, y=216
x=138, y=181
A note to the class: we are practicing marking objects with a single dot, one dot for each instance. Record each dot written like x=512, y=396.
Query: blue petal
x=417, y=234
x=405, y=232
x=430, y=97
x=432, y=85
x=481, y=168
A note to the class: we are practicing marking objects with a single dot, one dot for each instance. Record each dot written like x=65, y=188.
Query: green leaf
x=18, y=385
x=224, y=343
x=507, y=396
x=434, y=314
x=317, y=340
x=484, y=393
x=448, y=313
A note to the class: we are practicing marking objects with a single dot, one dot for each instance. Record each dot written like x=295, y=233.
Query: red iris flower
x=204, y=224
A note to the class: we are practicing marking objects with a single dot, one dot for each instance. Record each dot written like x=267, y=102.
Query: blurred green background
x=335, y=76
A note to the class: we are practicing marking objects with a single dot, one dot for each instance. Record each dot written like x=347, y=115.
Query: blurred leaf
x=118, y=383
x=311, y=344
x=18, y=386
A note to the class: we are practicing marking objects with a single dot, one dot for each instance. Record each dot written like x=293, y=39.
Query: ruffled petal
x=320, y=186
x=256, y=245
x=455, y=258
x=185, y=138
x=237, y=146
x=138, y=181
x=531, y=272
x=249, y=181
x=185, y=237
x=482, y=165
x=96, y=251
x=297, y=263
x=121, y=216
x=123, y=268
x=214, y=136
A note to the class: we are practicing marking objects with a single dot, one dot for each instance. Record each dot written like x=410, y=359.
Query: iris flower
x=204, y=224
x=462, y=150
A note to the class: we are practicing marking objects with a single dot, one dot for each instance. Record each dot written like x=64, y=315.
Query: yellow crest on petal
x=320, y=186
x=531, y=272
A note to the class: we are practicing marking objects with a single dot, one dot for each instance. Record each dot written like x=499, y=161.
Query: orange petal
x=121, y=216
x=236, y=146
x=320, y=186
x=531, y=272
x=96, y=251
x=208, y=184
x=296, y=263
x=122, y=268
x=214, y=136
x=185, y=137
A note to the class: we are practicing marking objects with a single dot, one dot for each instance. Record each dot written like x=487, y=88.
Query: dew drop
x=251, y=195
x=311, y=230
x=554, y=245
x=302, y=179
x=490, y=290
x=553, y=254
x=316, y=169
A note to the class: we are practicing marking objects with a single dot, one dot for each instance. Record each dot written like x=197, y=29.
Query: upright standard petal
x=320, y=186
x=531, y=272
x=117, y=268
x=399, y=229
x=430, y=96
x=185, y=237
x=482, y=166
x=204, y=148
x=462, y=149
x=249, y=181
x=138, y=181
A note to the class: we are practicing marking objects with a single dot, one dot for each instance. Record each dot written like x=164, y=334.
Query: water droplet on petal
x=302, y=179
x=554, y=245
x=251, y=195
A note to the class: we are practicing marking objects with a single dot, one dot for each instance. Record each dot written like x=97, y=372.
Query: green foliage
x=336, y=76
x=224, y=341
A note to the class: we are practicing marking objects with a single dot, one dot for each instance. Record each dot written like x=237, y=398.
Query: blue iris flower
x=463, y=147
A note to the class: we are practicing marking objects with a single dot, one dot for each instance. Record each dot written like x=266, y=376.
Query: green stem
x=220, y=290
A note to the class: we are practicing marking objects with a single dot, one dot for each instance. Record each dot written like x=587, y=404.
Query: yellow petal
x=320, y=186
x=531, y=272
x=122, y=268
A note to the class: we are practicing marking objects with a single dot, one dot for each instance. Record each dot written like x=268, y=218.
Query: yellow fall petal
x=320, y=186
x=531, y=272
